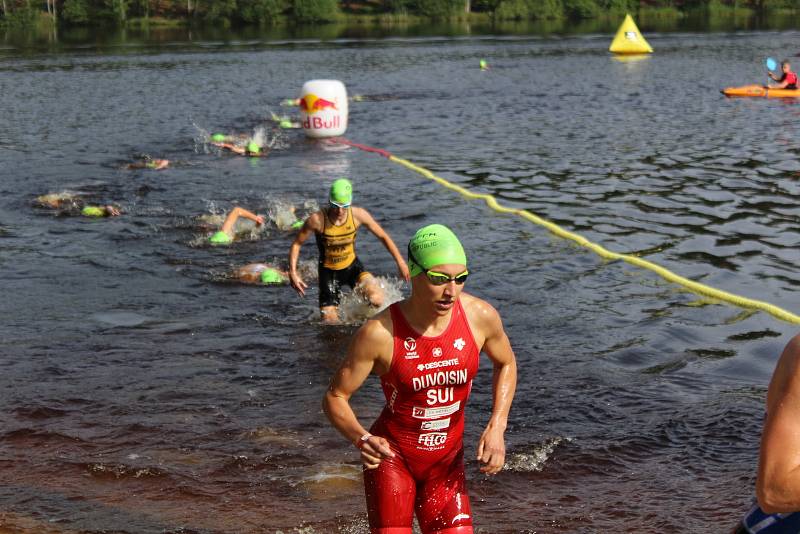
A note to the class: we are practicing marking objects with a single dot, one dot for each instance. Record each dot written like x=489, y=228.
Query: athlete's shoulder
x=376, y=330
x=480, y=313
x=360, y=214
x=316, y=220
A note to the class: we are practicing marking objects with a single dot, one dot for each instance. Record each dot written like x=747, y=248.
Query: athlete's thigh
x=390, y=490
x=442, y=503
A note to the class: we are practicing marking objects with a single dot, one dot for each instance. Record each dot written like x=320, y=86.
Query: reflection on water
x=145, y=392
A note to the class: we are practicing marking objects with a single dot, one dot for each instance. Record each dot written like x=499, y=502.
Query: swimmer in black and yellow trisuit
x=335, y=229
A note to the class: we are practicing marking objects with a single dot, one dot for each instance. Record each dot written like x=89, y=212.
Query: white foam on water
x=354, y=308
x=535, y=460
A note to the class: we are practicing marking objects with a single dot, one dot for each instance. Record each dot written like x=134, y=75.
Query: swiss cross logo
x=437, y=352
x=459, y=344
x=410, y=344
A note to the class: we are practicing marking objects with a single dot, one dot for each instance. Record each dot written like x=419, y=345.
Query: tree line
x=273, y=12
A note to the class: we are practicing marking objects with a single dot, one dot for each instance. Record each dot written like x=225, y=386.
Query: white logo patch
x=459, y=344
x=436, y=365
x=435, y=413
x=410, y=344
x=439, y=424
x=437, y=352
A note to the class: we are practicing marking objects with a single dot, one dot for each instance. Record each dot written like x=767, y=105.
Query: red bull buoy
x=323, y=108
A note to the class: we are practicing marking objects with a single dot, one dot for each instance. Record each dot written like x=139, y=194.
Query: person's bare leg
x=372, y=290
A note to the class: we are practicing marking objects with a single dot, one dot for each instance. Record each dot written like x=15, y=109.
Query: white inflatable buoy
x=323, y=108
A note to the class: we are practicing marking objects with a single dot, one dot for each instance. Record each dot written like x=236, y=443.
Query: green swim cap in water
x=219, y=138
x=341, y=193
x=286, y=123
x=220, y=238
x=271, y=276
x=253, y=148
x=297, y=224
x=93, y=211
x=434, y=245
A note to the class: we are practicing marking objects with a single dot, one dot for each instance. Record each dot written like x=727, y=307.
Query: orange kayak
x=761, y=91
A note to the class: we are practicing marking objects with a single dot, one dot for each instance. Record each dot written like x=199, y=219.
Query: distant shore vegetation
x=230, y=13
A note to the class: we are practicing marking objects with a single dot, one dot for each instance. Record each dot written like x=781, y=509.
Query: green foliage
x=618, y=6
x=311, y=11
x=21, y=17
x=75, y=11
x=581, y=9
x=261, y=11
x=440, y=9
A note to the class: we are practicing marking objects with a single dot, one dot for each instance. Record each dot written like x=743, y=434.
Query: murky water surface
x=144, y=392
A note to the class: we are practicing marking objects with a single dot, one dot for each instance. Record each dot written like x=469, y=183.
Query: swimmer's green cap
x=218, y=137
x=483, y=64
x=93, y=211
x=271, y=276
x=253, y=147
x=434, y=245
x=220, y=238
x=297, y=224
x=285, y=123
x=341, y=193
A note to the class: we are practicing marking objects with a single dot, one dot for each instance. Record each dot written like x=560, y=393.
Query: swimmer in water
x=154, y=164
x=335, y=230
x=72, y=204
x=426, y=351
x=261, y=273
x=777, y=510
x=239, y=144
x=232, y=226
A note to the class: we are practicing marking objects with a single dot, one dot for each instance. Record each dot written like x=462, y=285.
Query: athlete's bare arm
x=778, y=481
x=487, y=324
x=362, y=216
x=370, y=351
x=313, y=224
x=234, y=215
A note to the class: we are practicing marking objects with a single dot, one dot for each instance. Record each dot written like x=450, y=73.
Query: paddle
x=771, y=65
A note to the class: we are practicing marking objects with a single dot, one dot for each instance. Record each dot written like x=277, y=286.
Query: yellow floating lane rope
x=694, y=287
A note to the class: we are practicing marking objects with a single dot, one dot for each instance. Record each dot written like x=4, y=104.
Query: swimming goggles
x=437, y=278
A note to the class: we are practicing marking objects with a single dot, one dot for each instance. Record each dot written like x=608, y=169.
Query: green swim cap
x=253, y=147
x=341, y=193
x=220, y=238
x=285, y=123
x=271, y=276
x=219, y=138
x=434, y=245
x=93, y=211
x=298, y=224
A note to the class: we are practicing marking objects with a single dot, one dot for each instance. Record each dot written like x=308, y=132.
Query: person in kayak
x=777, y=510
x=335, y=229
x=788, y=80
x=426, y=350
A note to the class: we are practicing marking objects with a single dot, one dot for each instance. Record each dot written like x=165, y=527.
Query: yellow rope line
x=695, y=287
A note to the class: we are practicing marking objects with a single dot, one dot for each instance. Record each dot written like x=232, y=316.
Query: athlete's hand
x=297, y=283
x=405, y=274
x=374, y=450
x=260, y=220
x=492, y=450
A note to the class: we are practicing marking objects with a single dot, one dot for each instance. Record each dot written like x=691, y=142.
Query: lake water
x=143, y=392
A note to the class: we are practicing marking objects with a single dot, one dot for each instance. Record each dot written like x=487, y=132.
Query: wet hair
x=786, y=62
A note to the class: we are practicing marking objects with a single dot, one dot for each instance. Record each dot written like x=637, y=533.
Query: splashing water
x=534, y=461
x=354, y=308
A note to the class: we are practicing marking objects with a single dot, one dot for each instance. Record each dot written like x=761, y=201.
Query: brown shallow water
x=143, y=393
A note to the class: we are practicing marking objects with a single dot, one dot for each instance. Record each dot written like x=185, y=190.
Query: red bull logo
x=311, y=104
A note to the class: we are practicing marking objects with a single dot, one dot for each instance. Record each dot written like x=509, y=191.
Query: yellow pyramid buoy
x=629, y=39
